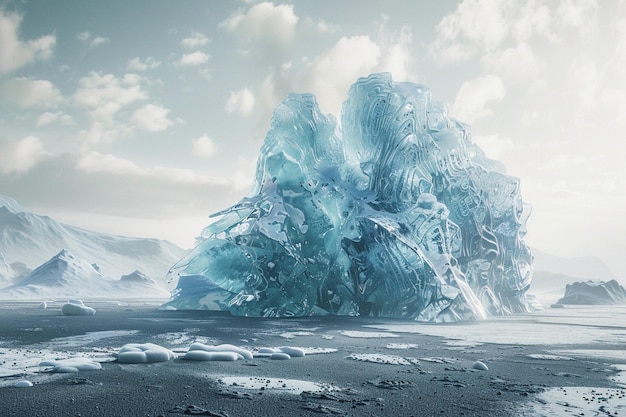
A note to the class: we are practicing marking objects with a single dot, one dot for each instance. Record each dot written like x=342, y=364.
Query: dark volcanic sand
x=427, y=388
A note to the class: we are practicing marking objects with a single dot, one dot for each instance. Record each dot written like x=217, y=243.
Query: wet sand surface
x=365, y=372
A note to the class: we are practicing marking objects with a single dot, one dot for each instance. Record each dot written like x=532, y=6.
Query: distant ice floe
x=77, y=308
x=368, y=335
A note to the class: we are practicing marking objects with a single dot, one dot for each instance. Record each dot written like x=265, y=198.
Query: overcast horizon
x=143, y=118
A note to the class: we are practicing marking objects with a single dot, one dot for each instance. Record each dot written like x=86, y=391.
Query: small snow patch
x=292, y=386
x=401, y=346
x=379, y=358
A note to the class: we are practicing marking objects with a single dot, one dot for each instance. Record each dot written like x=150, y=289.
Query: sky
x=143, y=118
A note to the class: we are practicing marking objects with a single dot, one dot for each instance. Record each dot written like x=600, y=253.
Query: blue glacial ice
x=394, y=214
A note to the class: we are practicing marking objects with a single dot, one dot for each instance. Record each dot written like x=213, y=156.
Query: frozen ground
x=555, y=362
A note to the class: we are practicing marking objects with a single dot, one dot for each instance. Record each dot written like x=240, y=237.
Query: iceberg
x=395, y=213
x=594, y=293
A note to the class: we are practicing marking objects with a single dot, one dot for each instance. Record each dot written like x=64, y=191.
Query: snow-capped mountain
x=33, y=239
x=67, y=276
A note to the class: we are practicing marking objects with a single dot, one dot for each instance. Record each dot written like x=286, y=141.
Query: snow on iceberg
x=396, y=214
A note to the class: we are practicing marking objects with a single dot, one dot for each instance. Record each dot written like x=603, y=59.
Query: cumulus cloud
x=21, y=155
x=195, y=41
x=83, y=36
x=98, y=132
x=241, y=101
x=47, y=118
x=516, y=64
x=137, y=64
x=194, y=59
x=97, y=162
x=484, y=26
x=264, y=22
x=15, y=53
x=494, y=146
x=106, y=94
x=203, y=147
x=97, y=41
x=471, y=103
x=333, y=71
x=27, y=93
x=151, y=118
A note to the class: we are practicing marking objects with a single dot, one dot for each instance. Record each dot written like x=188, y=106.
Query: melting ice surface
x=397, y=214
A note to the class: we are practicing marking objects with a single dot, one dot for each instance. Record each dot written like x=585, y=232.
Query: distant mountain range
x=41, y=256
x=66, y=276
x=29, y=241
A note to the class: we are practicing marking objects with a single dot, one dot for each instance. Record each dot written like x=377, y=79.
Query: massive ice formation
x=398, y=215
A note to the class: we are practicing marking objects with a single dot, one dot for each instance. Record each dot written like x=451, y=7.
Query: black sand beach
x=435, y=379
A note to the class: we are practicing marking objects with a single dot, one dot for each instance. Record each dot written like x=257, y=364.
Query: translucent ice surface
x=395, y=214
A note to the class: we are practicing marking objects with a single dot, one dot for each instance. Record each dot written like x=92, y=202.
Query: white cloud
x=471, y=102
x=96, y=162
x=494, y=146
x=320, y=26
x=106, y=94
x=195, y=41
x=151, y=118
x=97, y=41
x=194, y=59
x=203, y=147
x=15, y=53
x=27, y=93
x=47, y=118
x=21, y=155
x=397, y=56
x=474, y=23
x=241, y=101
x=83, y=36
x=137, y=64
x=580, y=15
x=264, y=23
x=98, y=133
x=332, y=72
x=515, y=64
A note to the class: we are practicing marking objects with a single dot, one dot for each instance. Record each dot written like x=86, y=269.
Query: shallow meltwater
x=292, y=386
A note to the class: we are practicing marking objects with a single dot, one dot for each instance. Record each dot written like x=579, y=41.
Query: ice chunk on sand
x=245, y=354
x=77, y=308
x=71, y=365
x=144, y=353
